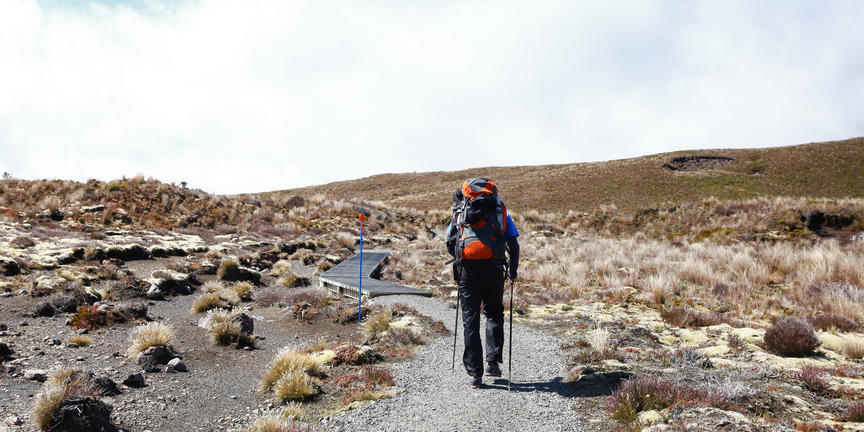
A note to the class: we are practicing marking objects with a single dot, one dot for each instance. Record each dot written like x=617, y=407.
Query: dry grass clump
x=600, y=341
x=689, y=317
x=791, y=337
x=378, y=323
x=281, y=268
x=206, y=302
x=854, y=349
x=79, y=340
x=63, y=385
x=243, y=290
x=230, y=333
x=227, y=266
x=290, y=374
x=403, y=336
x=219, y=296
x=147, y=335
x=659, y=286
x=345, y=240
x=276, y=424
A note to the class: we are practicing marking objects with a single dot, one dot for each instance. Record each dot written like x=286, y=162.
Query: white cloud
x=262, y=95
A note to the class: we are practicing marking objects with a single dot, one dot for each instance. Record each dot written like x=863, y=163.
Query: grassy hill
x=830, y=169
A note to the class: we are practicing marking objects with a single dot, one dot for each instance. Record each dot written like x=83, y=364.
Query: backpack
x=479, y=223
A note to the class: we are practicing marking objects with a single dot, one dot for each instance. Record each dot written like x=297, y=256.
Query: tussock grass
x=600, y=341
x=227, y=265
x=378, y=323
x=276, y=424
x=281, y=268
x=147, y=335
x=294, y=384
x=791, y=337
x=854, y=349
x=228, y=333
x=243, y=290
x=206, y=302
x=63, y=384
x=282, y=378
x=80, y=340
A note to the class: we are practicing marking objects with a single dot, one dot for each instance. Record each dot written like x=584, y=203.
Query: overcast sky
x=247, y=96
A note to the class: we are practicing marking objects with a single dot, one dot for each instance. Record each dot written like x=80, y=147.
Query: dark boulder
x=247, y=324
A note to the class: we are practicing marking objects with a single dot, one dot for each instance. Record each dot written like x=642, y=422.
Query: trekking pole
x=362, y=219
x=455, y=330
x=510, y=346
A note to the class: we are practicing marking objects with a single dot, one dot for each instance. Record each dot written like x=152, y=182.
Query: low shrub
x=377, y=377
x=87, y=317
x=855, y=413
x=811, y=379
x=689, y=317
x=791, y=337
x=151, y=334
x=653, y=393
x=736, y=343
x=831, y=321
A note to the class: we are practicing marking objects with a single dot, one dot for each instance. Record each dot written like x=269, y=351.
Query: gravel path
x=436, y=399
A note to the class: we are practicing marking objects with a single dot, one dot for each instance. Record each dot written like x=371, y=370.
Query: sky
x=257, y=95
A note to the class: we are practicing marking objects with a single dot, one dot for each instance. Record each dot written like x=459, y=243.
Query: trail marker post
x=362, y=219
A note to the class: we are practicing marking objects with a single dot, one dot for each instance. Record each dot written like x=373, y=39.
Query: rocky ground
x=569, y=358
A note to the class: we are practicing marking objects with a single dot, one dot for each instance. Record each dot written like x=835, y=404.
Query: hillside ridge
x=828, y=169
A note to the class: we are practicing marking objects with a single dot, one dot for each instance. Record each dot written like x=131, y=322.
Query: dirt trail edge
x=436, y=399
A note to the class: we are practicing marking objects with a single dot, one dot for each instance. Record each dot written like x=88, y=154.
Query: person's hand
x=513, y=276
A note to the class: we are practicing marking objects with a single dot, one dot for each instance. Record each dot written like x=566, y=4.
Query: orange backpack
x=479, y=223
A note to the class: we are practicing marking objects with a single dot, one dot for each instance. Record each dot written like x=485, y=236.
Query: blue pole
x=360, y=285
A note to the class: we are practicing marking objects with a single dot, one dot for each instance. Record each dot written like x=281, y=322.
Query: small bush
x=791, y=337
x=599, y=339
x=811, y=379
x=151, y=334
x=79, y=340
x=855, y=413
x=378, y=323
x=829, y=321
x=87, y=317
x=377, y=377
x=689, y=317
x=736, y=343
x=652, y=393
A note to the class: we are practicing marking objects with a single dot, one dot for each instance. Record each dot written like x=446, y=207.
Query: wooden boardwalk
x=345, y=277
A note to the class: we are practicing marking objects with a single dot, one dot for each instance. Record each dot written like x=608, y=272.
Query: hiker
x=478, y=236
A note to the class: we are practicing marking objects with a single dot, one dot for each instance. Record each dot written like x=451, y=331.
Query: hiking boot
x=492, y=369
x=476, y=382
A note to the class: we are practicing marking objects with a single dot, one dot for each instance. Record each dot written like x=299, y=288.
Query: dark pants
x=482, y=286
